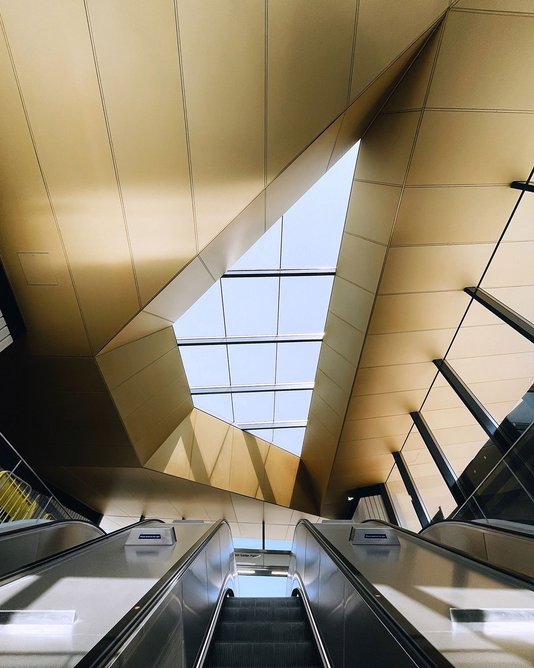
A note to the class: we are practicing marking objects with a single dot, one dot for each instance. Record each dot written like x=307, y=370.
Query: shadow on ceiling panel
x=56, y=71
x=308, y=70
x=223, y=56
x=385, y=29
x=396, y=378
x=136, y=49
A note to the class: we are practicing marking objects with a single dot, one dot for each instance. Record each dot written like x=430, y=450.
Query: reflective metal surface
x=24, y=546
x=174, y=631
x=416, y=585
x=499, y=547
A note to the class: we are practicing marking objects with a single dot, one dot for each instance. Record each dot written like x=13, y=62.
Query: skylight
x=250, y=345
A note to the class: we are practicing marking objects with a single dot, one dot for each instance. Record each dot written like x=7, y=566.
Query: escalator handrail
x=70, y=551
x=30, y=528
x=482, y=526
x=517, y=579
x=111, y=642
x=411, y=640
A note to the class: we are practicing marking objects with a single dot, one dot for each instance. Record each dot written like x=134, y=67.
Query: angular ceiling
x=145, y=147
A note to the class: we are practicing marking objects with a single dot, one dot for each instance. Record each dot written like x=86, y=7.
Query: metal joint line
x=238, y=389
x=477, y=410
x=281, y=424
x=412, y=490
x=444, y=467
x=237, y=340
x=525, y=186
x=279, y=273
x=506, y=314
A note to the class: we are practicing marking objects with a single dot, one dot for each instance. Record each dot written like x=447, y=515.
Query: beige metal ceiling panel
x=131, y=394
x=333, y=395
x=343, y=338
x=468, y=433
x=405, y=347
x=331, y=419
x=385, y=29
x=391, y=135
x=418, y=311
x=28, y=225
x=502, y=44
x=174, y=455
x=433, y=268
x=380, y=379
x=412, y=92
x=370, y=447
x=137, y=55
x=446, y=418
x=211, y=453
x=280, y=475
x=181, y=293
x=502, y=391
x=124, y=362
x=247, y=472
x=390, y=425
x=55, y=68
x=488, y=340
x=308, y=73
x=363, y=110
x=372, y=209
x=142, y=325
x=496, y=367
x=441, y=398
x=351, y=303
x=336, y=367
x=453, y=215
x=360, y=261
x=507, y=6
x=223, y=56
x=236, y=238
x=486, y=139
x=379, y=405
x=512, y=265
x=151, y=423
x=300, y=175
x=517, y=298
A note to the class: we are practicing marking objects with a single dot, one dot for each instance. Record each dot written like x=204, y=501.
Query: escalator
x=407, y=603
x=264, y=632
x=24, y=545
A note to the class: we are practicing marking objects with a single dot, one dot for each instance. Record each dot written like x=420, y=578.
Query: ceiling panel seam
x=112, y=151
x=45, y=185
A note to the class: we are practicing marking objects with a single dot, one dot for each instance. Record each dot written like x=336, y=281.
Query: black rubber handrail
x=409, y=638
x=46, y=561
x=110, y=644
x=517, y=579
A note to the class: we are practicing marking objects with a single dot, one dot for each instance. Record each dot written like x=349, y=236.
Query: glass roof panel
x=253, y=407
x=313, y=226
x=307, y=237
x=204, y=318
x=289, y=439
x=205, y=365
x=304, y=303
x=219, y=405
x=293, y=405
x=265, y=254
x=252, y=364
x=250, y=305
x=297, y=362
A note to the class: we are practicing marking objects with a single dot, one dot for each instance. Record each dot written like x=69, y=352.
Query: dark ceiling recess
x=8, y=306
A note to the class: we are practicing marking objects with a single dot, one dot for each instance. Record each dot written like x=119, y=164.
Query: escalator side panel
x=350, y=631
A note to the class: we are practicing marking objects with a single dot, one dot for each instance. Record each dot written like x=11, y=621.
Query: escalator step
x=262, y=615
x=262, y=632
x=263, y=602
x=262, y=654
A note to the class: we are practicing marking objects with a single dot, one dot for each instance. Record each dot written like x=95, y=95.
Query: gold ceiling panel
x=142, y=90
x=381, y=405
x=386, y=28
x=223, y=58
x=395, y=378
x=308, y=73
x=64, y=107
x=366, y=272
x=508, y=6
x=371, y=212
x=405, y=347
x=477, y=216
